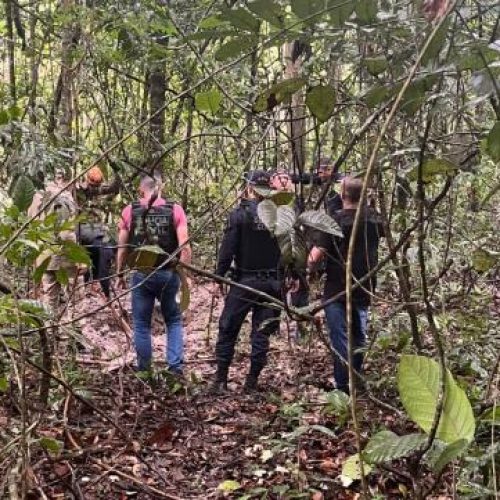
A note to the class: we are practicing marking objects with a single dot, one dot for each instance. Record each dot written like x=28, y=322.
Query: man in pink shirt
x=155, y=221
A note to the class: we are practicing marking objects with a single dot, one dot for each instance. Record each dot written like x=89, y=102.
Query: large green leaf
x=377, y=95
x=293, y=249
x=320, y=221
x=476, y=56
x=307, y=8
x=268, y=214
x=268, y=10
x=40, y=270
x=415, y=94
x=23, y=192
x=235, y=47
x=366, y=11
x=418, y=383
x=76, y=253
x=285, y=219
x=432, y=168
x=493, y=142
x=386, y=446
x=208, y=102
x=375, y=65
x=441, y=454
x=340, y=11
x=277, y=94
x=242, y=19
x=351, y=470
x=321, y=102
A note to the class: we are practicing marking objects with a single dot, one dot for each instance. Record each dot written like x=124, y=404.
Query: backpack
x=154, y=226
x=64, y=206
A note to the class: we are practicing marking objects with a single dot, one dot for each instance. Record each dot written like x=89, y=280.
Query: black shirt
x=365, y=255
x=247, y=242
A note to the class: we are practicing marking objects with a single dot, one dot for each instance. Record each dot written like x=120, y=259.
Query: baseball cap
x=257, y=178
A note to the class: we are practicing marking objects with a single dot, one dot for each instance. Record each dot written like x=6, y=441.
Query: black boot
x=251, y=382
x=219, y=385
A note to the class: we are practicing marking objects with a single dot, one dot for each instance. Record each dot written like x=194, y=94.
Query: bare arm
x=182, y=238
x=121, y=256
x=316, y=255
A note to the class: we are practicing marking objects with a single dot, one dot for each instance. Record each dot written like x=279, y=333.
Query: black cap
x=257, y=178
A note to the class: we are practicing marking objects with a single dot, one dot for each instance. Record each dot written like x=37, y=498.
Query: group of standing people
x=252, y=257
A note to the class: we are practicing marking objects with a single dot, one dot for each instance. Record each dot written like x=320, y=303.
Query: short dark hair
x=147, y=182
x=352, y=188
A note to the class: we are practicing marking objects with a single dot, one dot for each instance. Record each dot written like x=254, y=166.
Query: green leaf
x=40, y=270
x=338, y=402
x=493, y=142
x=277, y=94
x=340, y=11
x=4, y=384
x=483, y=261
x=321, y=102
x=377, y=95
x=320, y=221
x=418, y=383
x=285, y=219
x=145, y=257
x=4, y=117
x=268, y=10
x=366, y=11
x=268, y=214
x=437, y=43
x=351, y=470
x=386, y=446
x=447, y=454
x=282, y=197
x=415, y=94
x=432, y=168
x=76, y=253
x=242, y=19
x=229, y=485
x=50, y=444
x=476, y=56
x=375, y=65
x=235, y=47
x=293, y=249
x=491, y=416
x=15, y=112
x=185, y=295
x=324, y=430
x=62, y=276
x=210, y=22
x=208, y=102
x=306, y=8
x=23, y=192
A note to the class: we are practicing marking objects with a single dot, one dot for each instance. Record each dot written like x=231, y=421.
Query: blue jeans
x=337, y=327
x=162, y=285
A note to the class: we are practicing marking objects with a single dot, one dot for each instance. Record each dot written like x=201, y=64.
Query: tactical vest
x=154, y=226
x=258, y=249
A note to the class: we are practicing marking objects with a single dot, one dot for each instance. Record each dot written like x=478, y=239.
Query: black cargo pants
x=265, y=321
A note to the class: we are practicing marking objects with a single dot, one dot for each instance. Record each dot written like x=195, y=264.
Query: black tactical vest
x=154, y=226
x=258, y=249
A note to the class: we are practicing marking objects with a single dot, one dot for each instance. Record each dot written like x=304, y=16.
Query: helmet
x=94, y=176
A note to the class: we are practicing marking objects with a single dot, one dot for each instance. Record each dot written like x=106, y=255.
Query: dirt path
x=185, y=444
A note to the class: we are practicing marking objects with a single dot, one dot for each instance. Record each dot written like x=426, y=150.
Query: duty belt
x=258, y=273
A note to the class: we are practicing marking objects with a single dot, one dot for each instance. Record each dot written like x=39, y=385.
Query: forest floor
x=162, y=439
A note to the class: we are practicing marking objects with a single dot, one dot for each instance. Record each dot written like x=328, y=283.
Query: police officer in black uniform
x=256, y=257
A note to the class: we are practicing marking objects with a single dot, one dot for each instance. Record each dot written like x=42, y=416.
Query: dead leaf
x=162, y=435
